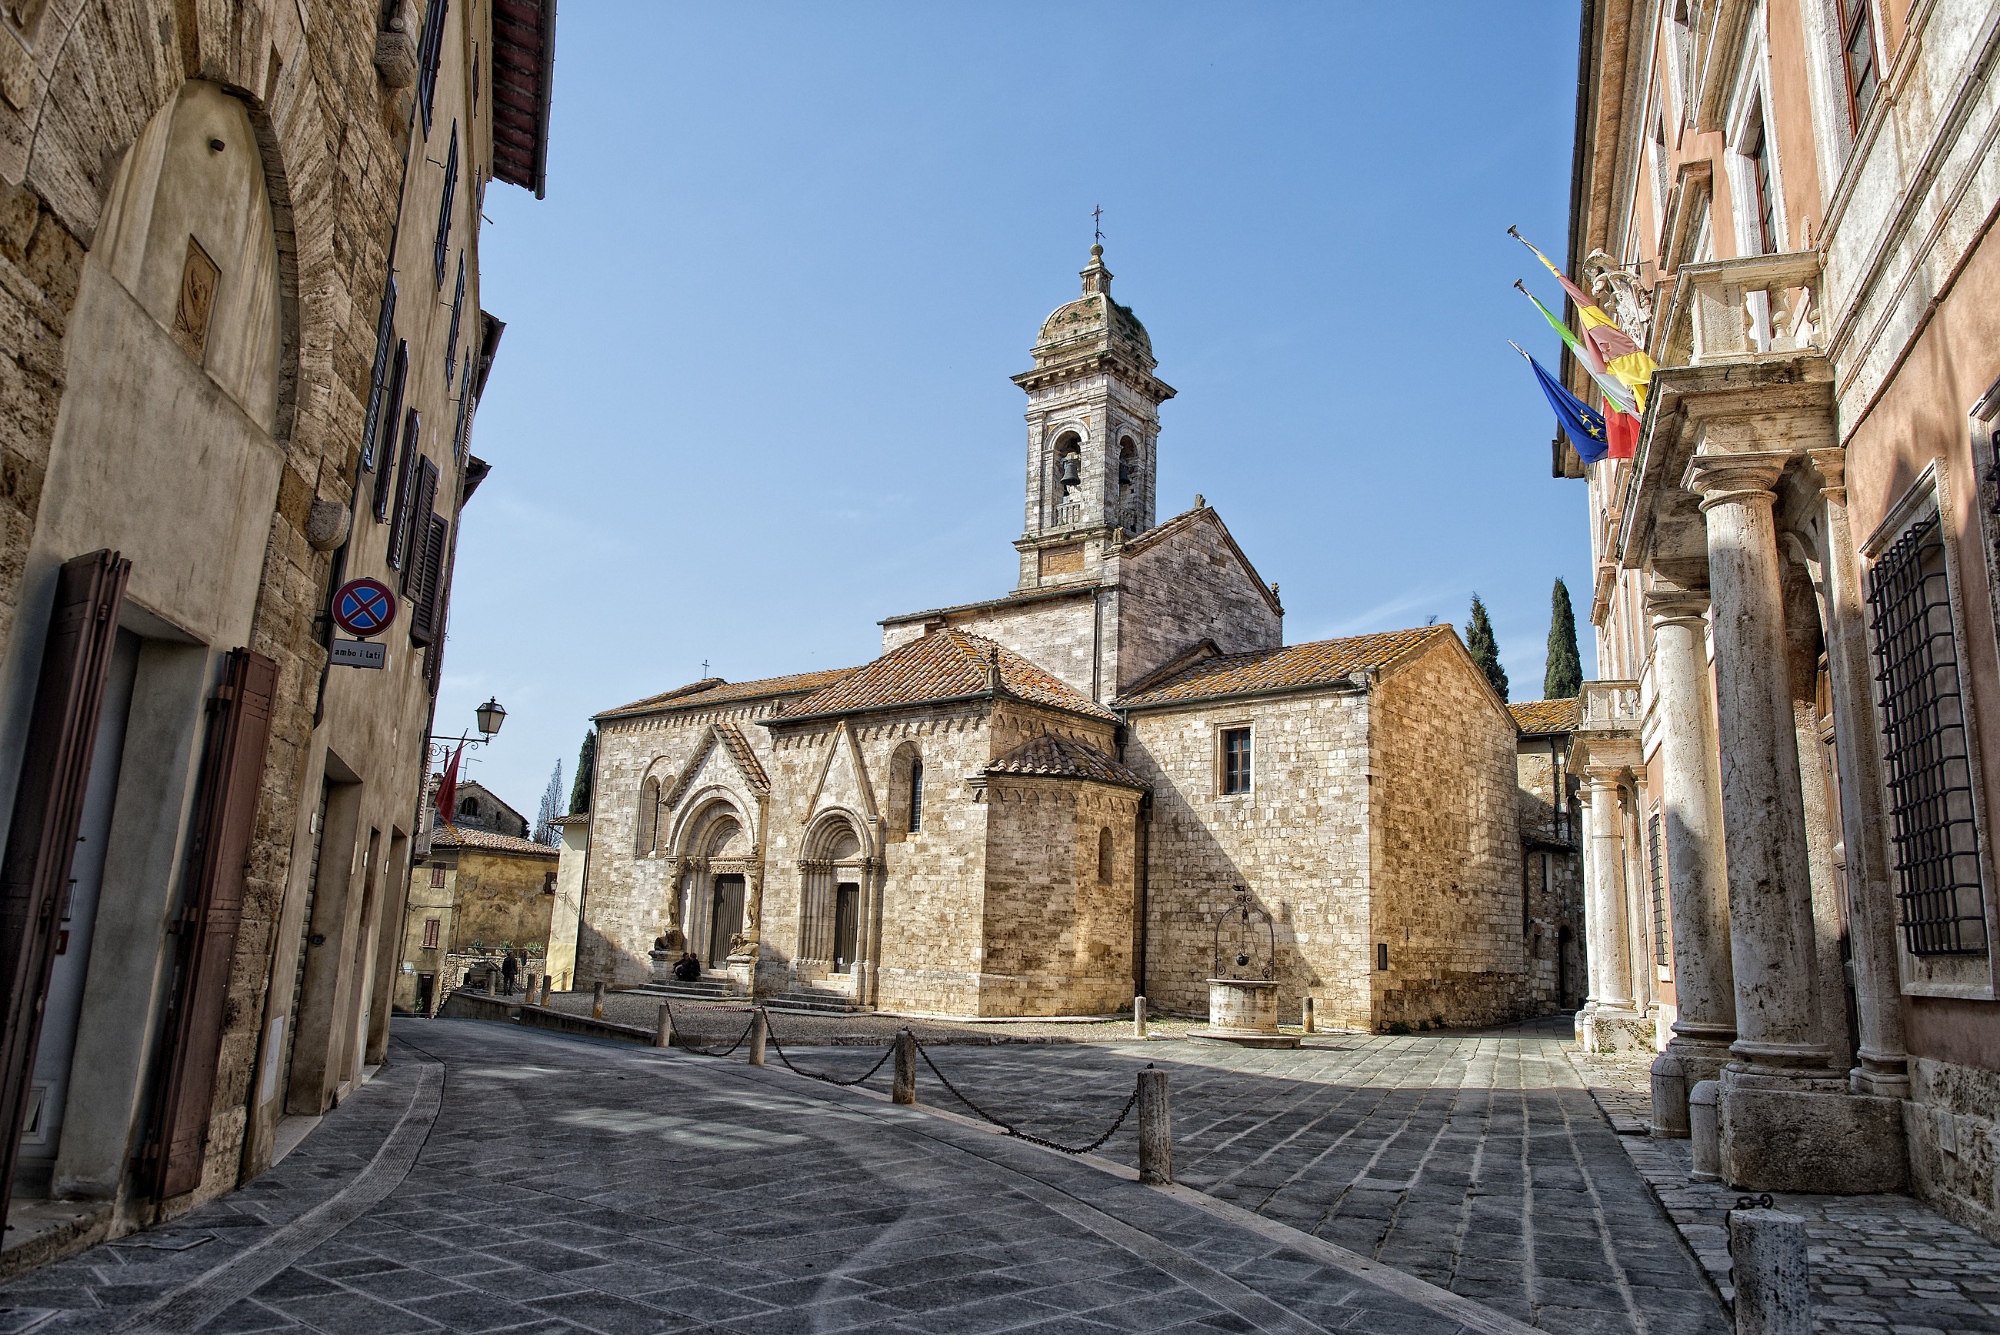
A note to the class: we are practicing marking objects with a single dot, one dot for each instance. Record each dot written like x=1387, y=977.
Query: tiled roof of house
x=1544, y=716
x=574, y=818
x=1320, y=663
x=1061, y=757
x=715, y=691
x=940, y=666
x=746, y=760
x=464, y=836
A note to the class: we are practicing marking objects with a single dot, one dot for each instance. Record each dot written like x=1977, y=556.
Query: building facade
x=482, y=893
x=1048, y=802
x=207, y=827
x=1799, y=707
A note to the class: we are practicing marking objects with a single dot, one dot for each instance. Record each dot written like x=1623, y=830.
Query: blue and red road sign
x=364, y=607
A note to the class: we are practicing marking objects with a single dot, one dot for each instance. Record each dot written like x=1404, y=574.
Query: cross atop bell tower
x=1093, y=423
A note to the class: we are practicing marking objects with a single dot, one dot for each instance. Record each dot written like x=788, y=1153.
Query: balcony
x=1742, y=310
x=1610, y=706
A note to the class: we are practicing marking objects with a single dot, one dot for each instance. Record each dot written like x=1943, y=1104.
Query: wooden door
x=232, y=769
x=846, y=926
x=48, y=806
x=726, y=920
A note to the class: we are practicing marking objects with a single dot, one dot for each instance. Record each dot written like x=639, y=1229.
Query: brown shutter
x=48, y=808
x=232, y=769
x=415, y=529
x=406, y=476
x=425, y=601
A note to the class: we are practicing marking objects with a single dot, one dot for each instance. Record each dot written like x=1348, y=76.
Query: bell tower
x=1093, y=425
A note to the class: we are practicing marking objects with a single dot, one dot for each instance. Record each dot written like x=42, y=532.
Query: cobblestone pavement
x=495, y=1179
x=1880, y=1264
x=1478, y=1163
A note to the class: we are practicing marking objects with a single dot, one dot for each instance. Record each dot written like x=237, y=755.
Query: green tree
x=1485, y=650
x=1564, y=677
x=586, y=769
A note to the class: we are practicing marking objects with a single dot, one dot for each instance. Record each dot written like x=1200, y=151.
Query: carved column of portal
x=1697, y=874
x=1770, y=880
x=1605, y=919
x=1882, y=1065
x=1787, y=1121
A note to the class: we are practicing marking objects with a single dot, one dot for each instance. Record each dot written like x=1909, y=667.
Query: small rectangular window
x=1925, y=747
x=385, y=330
x=1657, y=856
x=441, y=247
x=431, y=927
x=1381, y=957
x=1858, y=56
x=437, y=877
x=430, y=54
x=1757, y=149
x=1236, y=760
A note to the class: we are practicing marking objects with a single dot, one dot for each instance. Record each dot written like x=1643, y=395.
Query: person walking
x=509, y=971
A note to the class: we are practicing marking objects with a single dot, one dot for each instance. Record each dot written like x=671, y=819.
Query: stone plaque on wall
x=199, y=278
x=1065, y=560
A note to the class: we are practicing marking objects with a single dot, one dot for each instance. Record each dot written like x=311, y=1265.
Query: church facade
x=1049, y=802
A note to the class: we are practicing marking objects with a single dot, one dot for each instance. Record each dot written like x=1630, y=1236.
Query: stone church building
x=1044, y=803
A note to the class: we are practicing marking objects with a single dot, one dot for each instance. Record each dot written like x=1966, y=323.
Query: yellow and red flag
x=1615, y=349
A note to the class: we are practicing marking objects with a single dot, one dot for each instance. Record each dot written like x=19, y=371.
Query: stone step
x=831, y=1003
x=707, y=989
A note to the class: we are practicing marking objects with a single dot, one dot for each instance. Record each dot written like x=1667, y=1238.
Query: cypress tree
x=1485, y=650
x=586, y=768
x=1564, y=677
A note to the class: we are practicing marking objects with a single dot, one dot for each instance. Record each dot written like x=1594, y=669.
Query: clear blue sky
x=754, y=394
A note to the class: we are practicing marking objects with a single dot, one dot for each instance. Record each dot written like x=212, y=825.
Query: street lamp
x=491, y=715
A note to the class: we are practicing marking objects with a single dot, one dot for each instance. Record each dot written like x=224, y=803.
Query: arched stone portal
x=716, y=895
x=835, y=902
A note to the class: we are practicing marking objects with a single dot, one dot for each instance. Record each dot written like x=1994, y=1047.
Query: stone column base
x=1676, y=1072
x=1614, y=1031
x=1776, y=1139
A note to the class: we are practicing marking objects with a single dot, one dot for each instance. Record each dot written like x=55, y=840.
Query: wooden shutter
x=48, y=808
x=385, y=328
x=232, y=770
x=426, y=605
x=399, y=526
x=413, y=529
x=440, y=609
x=393, y=413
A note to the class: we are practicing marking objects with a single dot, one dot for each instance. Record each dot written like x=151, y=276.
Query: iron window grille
x=1656, y=856
x=1236, y=760
x=1926, y=747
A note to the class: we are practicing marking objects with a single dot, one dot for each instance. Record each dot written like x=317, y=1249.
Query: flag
x=1621, y=432
x=1620, y=356
x=1615, y=391
x=1579, y=421
x=447, y=795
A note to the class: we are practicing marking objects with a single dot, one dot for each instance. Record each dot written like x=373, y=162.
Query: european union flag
x=1583, y=424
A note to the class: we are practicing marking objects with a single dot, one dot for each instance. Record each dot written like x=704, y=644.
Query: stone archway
x=836, y=901
x=715, y=899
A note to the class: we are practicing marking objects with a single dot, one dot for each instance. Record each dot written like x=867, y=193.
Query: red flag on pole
x=447, y=796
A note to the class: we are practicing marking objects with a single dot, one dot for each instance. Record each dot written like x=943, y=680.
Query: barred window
x=916, y=796
x=1925, y=747
x=1236, y=760
x=1663, y=940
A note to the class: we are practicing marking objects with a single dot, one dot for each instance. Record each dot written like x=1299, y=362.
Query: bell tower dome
x=1093, y=424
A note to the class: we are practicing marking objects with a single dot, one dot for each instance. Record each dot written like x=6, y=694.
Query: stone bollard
x=663, y=1032
x=1705, y=1128
x=904, y=1089
x=1156, y=1136
x=492, y=982
x=760, y=1033
x=1670, y=1097
x=1138, y=1017
x=1306, y=1015
x=529, y=995
x=597, y=1001
x=1767, y=1264
x=548, y=987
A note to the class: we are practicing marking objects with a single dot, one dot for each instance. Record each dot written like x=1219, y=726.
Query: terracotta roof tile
x=574, y=818
x=460, y=836
x=1320, y=663
x=940, y=666
x=714, y=691
x=746, y=760
x=1065, y=758
x=1544, y=716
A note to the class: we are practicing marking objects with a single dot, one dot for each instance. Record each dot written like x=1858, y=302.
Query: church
x=1049, y=802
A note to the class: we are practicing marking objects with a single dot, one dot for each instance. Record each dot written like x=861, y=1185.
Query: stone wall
x=1551, y=878
x=1448, y=892
x=1299, y=840
x=1952, y=1124
x=1058, y=635
x=499, y=903
x=1183, y=586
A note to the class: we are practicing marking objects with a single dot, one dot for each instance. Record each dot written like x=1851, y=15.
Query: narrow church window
x=916, y=796
x=1925, y=746
x=1107, y=856
x=649, y=815
x=1236, y=760
x=469, y=807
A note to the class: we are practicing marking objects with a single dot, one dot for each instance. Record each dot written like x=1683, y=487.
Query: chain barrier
x=887, y=1053
x=708, y=1052
x=1019, y=1134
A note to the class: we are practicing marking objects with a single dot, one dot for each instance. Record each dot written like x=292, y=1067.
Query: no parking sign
x=364, y=607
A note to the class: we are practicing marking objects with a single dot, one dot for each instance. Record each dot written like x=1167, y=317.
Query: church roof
x=714, y=691
x=944, y=665
x=464, y=836
x=1298, y=666
x=1546, y=716
x=1058, y=757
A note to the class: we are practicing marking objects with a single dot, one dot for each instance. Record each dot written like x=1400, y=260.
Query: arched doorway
x=832, y=902
x=715, y=883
